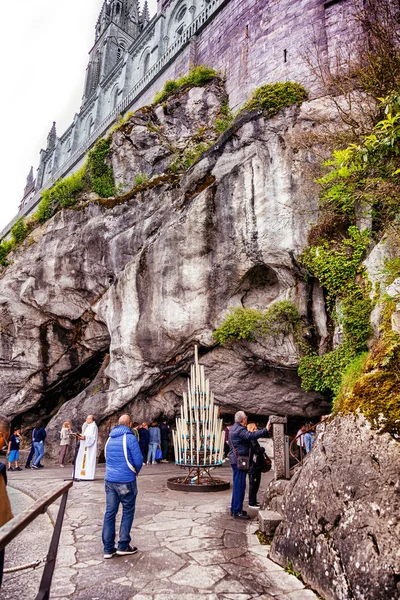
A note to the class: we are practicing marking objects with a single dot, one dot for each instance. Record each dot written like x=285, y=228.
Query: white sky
x=44, y=49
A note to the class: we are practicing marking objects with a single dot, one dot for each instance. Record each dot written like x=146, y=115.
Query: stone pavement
x=189, y=546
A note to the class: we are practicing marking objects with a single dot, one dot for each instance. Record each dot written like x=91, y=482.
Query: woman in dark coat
x=144, y=438
x=256, y=461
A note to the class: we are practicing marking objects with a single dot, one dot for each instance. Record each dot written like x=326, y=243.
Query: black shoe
x=241, y=515
x=129, y=550
x=40, y=466
x=18, y=469
x=254, y=505
x=27, y=466
x=11, y=469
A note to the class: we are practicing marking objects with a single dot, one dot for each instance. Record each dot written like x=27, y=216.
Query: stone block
x=277, y=419
x=269, y=521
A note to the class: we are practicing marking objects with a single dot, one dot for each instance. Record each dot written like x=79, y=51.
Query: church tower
x=118, y=25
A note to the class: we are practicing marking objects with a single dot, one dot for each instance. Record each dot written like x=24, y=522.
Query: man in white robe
x=86, y=460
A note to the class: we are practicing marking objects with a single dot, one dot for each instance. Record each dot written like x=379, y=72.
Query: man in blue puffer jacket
x=123, y=463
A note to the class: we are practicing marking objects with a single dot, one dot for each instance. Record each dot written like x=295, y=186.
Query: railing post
x=47, y=576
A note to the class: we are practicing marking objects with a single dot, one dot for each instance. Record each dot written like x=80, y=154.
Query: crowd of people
x=130, y=446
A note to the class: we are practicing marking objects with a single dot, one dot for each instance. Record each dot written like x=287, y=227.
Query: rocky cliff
x=342, y=514
x=102, y=305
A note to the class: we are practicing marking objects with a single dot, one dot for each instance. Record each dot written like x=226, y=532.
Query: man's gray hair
x=240, y=416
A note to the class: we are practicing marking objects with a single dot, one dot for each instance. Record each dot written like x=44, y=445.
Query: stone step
x=269, y=521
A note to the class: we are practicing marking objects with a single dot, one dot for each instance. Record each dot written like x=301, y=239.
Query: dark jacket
x=144, y=437
x=39, y=435
x=256, y=460
x=164, y=430
x=240, y=438
x=117, y=470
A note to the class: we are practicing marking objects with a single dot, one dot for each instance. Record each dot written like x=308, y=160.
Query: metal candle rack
x=199, y=438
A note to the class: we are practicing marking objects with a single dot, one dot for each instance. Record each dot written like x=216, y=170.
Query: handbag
x=265, y=463
x=158, y=454
x=242, y=462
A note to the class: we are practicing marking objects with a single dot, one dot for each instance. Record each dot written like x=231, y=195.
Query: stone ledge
x=269, y=521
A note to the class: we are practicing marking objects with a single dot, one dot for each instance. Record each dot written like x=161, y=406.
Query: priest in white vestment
x=86, y=460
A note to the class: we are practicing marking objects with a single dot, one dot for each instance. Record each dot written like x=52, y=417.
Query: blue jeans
x=239, y=489
x=116, y=493
x=151, y=454
x=39, y=452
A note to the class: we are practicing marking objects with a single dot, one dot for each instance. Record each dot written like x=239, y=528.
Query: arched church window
x=91, y=127
x=181, y=13
x=179, y=31
x=117, y=8
x=114, y=99
x=119, y=53
x=146, y=63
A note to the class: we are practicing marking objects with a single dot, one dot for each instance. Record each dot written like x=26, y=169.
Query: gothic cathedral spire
x=124, y=13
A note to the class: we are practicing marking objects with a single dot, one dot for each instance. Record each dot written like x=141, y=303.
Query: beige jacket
x=5, y=506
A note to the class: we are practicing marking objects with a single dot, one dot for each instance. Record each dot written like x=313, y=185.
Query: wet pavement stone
x=189, y=546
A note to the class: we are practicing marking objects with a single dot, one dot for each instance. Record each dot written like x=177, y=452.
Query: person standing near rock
x=86, y=460
x=154, y=442
x=164, y=431
x=39, y=437
x=144, y=438
x=256, y=459
x=14, y=442
x=240, y=445
x=5, y=506
x=65, y=440
x=123, y=463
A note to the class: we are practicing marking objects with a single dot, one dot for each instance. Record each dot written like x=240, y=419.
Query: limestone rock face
x=342, y=514
x=145, y=279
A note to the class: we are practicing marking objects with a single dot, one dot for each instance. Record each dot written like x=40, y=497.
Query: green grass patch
x=99, y=172
x=271, y=98
x=197, y=77
x=281, y=318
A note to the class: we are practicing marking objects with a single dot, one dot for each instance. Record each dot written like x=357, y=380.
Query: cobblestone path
x=189, y=546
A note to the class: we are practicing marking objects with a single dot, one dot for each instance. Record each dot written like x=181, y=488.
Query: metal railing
x=199, y=22
x=13, y=528
x=297, y=452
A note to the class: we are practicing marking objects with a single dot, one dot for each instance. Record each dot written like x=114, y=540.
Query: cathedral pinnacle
x=52, y=137
x=29, y=179
x=145, y=14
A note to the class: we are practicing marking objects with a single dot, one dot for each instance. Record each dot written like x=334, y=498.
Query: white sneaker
x=110, y=555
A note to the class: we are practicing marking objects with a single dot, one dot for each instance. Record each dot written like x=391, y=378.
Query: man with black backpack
x=5, y=507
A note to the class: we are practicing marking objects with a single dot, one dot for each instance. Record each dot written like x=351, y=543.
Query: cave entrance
x=71, y=384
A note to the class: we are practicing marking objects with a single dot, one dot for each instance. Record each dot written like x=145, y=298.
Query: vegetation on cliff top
x=281, y=318
x=271, y=98
x=197, y=77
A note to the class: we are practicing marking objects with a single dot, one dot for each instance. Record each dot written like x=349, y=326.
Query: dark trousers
x=31, y=453
x=238, y=489
x=164, y=449
x=254, y=484
x=144, y=450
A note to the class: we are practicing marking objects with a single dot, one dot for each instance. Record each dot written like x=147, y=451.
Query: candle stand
x=199, y=438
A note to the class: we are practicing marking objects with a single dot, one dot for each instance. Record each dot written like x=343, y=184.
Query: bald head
x=125, y=420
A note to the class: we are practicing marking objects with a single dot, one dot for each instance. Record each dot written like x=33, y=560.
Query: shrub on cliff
x=197, y=77
x=63, y=194
x=273, y=97
x=281, y=318
x=375, y=392
x=99, y=171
